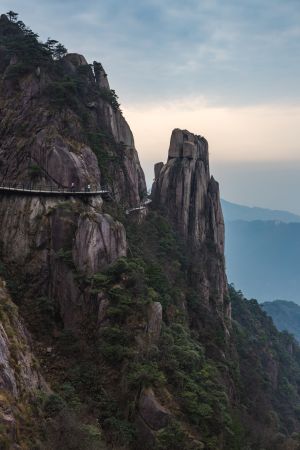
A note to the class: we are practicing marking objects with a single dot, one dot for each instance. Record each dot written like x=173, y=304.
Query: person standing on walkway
x=89, y=188
x=72, y=186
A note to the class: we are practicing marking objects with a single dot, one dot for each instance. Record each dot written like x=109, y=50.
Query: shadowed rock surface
x=50, y=134
x=20, y=377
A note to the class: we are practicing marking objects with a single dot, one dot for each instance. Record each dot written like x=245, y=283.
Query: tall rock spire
x=186, y=193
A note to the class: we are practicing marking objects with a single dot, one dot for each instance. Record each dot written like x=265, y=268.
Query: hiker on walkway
x=89, y=188
x=72, y=186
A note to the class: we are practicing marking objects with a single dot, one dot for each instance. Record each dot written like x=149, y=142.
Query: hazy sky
x=228, y=70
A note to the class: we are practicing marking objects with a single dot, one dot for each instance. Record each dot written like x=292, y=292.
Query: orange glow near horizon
x=258, y=133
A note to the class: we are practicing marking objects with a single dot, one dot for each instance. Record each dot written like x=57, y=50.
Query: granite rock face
x=99, y=241
x=154, y=314
x=53, y=240
x=184, y=189
x=67, y=131
x=17, y=372
x=20, y=378
x=186, y=193
x=49, y=140
x=57, y=133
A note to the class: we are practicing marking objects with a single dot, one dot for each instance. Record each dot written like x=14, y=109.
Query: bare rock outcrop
x=99, y=241
x=19, y=376
x=55, y=240
x=58, y=127
x=152, y=412
x=154, y=321
x=184, y=189
x=186, y=193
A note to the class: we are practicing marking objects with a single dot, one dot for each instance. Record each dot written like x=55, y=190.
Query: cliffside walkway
x=140, y=207
x=24, y=189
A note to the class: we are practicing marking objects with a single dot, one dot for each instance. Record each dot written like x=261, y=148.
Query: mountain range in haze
x=285, y=315
x=233, y=211
x=262, y=251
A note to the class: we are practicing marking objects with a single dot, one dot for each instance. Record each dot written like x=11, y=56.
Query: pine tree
x=12, y=16
x=60, y=51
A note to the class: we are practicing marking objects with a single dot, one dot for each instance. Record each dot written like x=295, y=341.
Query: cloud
x=233, y=52
x=235, y=134
x=254, y=150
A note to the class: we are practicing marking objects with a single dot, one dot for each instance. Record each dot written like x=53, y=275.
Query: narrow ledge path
x=54, y=191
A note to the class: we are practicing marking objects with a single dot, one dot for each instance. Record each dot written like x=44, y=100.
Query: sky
x=225, y=69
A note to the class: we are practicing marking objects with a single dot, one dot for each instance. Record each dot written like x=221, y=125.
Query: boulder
x=152, y=412
x=76, y=59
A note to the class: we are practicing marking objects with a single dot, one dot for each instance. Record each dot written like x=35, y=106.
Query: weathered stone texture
x=50, y=238
x=154, y=322
x=186, y=193
x=151, y=411
x=16, y=372
x=98, y=242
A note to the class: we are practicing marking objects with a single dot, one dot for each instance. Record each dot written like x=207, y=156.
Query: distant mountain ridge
x=233, y=211
x=262, y=258
x=262, y=249
x=285, y=315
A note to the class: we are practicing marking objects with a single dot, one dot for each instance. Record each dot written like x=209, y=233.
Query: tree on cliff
x=56, y=49
x=60, y=51
x=12, y=16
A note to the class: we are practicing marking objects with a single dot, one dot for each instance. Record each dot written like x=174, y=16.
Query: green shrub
x=172, y=437
x=99, y=280
x=68, y=343
x=114, y=353
x=34, y=171
x=53, y=404
x=66, y=431
x=122, y=431
x=144, y=375
x=69, y=395
x=16, y=71
x=110, y=96
x=62, y=93
x=100, y=145
x=66, y=256
x=92, y=434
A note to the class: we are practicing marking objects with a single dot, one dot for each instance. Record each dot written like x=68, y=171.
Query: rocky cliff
x=186, y=193
x=20, y=378
x=59, y=117
x=61, y=124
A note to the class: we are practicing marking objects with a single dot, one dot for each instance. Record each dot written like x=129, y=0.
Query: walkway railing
x=47, y=190
x=29, y=188
x=140, y=207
